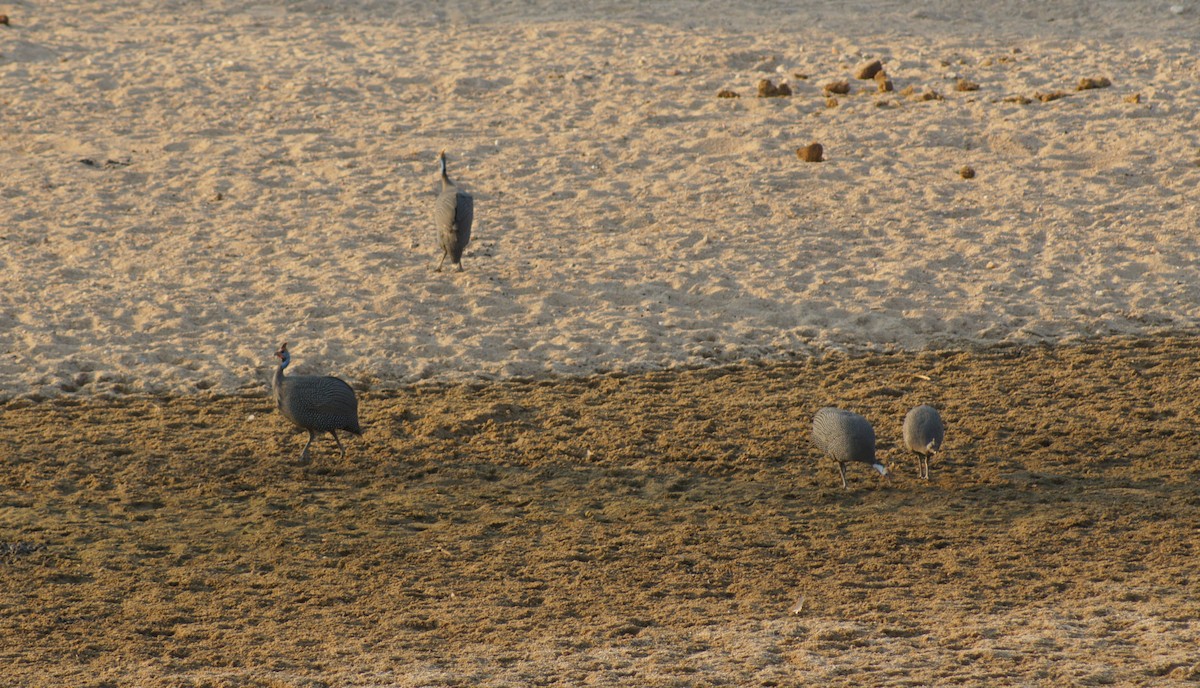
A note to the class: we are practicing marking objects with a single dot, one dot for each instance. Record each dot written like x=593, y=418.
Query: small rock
x=766, y=89
x=930, y=95
x=964, y=85
x=726, y=93
x=908, y=90
x=884, y=83
x=869, y=70
x=967, y=172
x=990, y=265
x=813, y=152
x=1020, y=100
x=831, y=102
x=1133, y=98
x=1088, y=83
x=839, y=87
x=1047, y=97
x=800, y=75
x=4, y=19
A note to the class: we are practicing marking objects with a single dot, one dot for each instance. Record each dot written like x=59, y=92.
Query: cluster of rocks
x=873, y=70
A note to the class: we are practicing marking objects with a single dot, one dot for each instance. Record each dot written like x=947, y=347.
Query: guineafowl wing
x=464, y=216
x=444, y=209
x=323, y=403
x=844, y=435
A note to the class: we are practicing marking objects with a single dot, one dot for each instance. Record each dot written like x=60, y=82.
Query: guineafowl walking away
x=846, y=436
x=923, y=433
x=452, y=214
x=315, y=403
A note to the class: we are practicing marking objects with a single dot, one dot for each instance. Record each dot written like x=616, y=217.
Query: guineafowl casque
x=846, y=436
x=315, y=403
x=923, y=433
x=452, y=214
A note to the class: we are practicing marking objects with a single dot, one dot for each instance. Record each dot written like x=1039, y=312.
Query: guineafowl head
x=283, y=355
x=442, y=162
x=878, y=465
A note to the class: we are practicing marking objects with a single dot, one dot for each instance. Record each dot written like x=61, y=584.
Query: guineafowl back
x=923, y=425
x=844, y=435
x=453, y=214
x=319, y=403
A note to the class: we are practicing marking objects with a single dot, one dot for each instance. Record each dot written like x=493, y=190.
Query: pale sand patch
x=281, y=172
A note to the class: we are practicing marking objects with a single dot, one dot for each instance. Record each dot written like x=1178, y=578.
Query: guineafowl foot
x=304, y=452
x=460, y=268
x=339, y=443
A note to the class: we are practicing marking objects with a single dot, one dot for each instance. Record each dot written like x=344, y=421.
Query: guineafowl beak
x=282, y=350
x=882, y=470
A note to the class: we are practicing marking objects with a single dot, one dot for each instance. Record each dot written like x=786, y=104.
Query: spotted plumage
x=453, y=213
x=924, y=434
x=317, y=404
x=846, y=437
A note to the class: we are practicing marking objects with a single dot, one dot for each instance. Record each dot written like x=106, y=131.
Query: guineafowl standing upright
x=846, y=436
x=452, y=214
x=923, y=433
x=315, y=403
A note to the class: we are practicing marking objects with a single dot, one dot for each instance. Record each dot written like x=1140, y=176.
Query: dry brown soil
x=643, y=530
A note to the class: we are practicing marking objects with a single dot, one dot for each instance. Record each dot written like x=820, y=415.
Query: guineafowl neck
x=277, y=381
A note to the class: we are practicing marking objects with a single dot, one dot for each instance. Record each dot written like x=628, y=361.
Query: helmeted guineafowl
x=452, y=214
x=315, y=403
x=846, y=436
x=923, y=433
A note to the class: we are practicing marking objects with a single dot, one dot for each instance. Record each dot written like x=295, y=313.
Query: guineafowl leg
x=842, y=472
x=339, y=441
x=304, y=454
x=460, y=266
x=925, y=466
x=443, y=260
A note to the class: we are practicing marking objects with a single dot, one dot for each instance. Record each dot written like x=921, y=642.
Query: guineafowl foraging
x=846, y=436
x=923, y=433
x=315, y=403
x=452, y=214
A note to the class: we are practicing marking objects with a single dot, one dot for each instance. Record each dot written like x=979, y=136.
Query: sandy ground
x=587, y=457
x=266, y=173
x=652, y=530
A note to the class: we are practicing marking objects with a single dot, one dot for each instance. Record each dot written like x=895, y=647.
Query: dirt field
x=649, y=530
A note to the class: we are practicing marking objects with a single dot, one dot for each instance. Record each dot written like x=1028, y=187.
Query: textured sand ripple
x=266, y=173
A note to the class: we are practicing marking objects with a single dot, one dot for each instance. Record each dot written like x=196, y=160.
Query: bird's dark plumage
x=317, y=404
x=924, y=434
x=845, y=436
x=453, y=214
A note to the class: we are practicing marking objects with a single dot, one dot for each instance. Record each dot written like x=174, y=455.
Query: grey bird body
x=453, y=213
x=923, y=434
x=315, y=403
x=846, y=437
